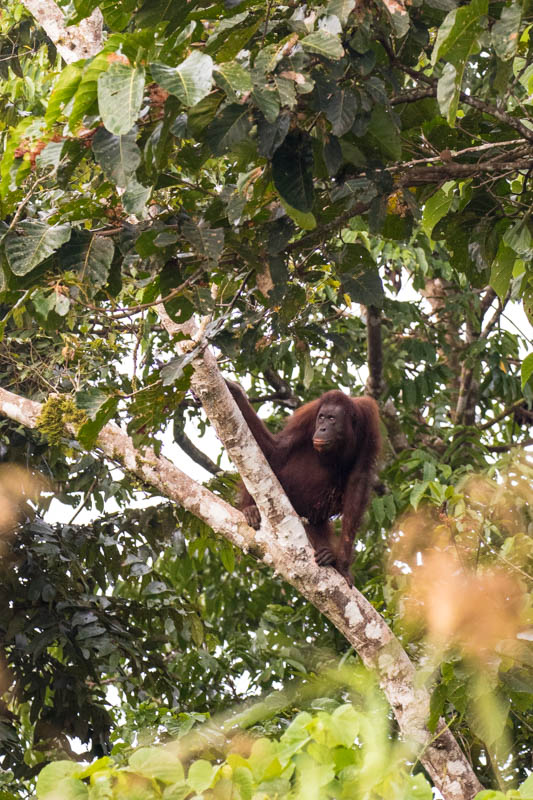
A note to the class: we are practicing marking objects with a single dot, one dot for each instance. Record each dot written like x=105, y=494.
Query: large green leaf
x=157, y=763
x=118, y=156
x=64, y=89
x=34, y=242
x=233, y=78
x=323, y=43
x=437, y=206
x=341, y=111
x=502, y=270
x=229, y=128
x=120, y=95
x=448, y=92
x=457, y=36
x=191, y=81
x=506, y=31
x=87, y=90
x=206, y=241
x=89, y=255
x=292, y=171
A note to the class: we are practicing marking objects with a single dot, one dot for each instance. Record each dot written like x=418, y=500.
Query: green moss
x=56, y=413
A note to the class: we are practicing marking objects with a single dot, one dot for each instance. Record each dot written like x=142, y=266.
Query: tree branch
x=288, y=553
x=73, y=42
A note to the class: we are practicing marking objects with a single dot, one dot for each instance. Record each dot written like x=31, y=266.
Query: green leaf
x=227, y=556
x=323, y=43
x=36, y=242
x=234, y=79
x=157, y=763
x=527, y=369
x=525, y=789
x=135, y=198
x=201, y=775
x=437, y=206
x=268, y=101
x=292, y=171
x=448, y=91
x=518, y=237
x=304, y=220
x=502, y=270
x=506, y=31
x=87, y=91
x=208, y=242
x=243, y=780
x=364, y=287
x=191, y=81
x=63, y=91
x=457, y=36
x=43, y=302
x=418, y=788
x=53, y=773
x=120, y=96
x=341, y=9
x=341, y=111
x=88, y=431
x=91, y=400
x=229, y=128
x=118, y=156
x=384, y=129
x=272, y=135
x=417, y=493
x=90, y=256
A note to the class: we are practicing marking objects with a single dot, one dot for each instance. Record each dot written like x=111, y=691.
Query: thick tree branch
x=157, y=471
x=289, y=554
x=73, y=42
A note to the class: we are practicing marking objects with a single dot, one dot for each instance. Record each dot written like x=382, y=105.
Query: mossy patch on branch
x=59, y=411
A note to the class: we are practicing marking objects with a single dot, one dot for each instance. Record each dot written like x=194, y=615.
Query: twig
x=501, y=415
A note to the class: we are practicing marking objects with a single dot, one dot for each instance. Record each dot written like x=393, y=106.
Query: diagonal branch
x=288, y=553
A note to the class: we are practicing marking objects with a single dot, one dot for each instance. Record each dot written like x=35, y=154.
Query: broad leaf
x=233, y=78
x=323, y=43
x=120, y=95
x=437, y=206
x=506, y=31
x=157, y=763
x=292, y=171
x=118, y=156
x=341, y=111
x=206, y=241
x=527, y=369
x=229, y=128
x=88, y=431
x=64, y=89
x=35, y=242
x=90, y=256
x=191, y=81
x=502, y=270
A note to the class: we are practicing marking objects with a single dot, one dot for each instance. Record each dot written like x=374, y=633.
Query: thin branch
x=194, y=452
x=374, y=384
x=505, y=413
x=505, y=448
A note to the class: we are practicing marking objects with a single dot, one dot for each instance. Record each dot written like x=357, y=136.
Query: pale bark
x=289, y=554
x=73, y=42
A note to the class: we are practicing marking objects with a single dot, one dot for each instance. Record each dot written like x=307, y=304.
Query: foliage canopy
x=268, y=167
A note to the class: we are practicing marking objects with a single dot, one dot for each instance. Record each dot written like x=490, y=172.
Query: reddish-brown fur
x=321, y=485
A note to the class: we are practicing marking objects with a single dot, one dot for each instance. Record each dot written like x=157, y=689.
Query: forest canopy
x=299, y=197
